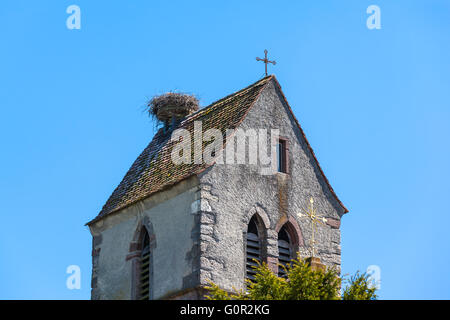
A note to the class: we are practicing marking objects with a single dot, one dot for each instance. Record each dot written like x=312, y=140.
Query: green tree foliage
x=359, y=288
x=301, y=283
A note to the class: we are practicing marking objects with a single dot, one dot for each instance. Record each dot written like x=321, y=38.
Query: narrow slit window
x=282, y=156
x=145, y=269
x=284, y=251
x=253, y=249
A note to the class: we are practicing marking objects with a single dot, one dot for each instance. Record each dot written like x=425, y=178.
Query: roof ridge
x=232, y=95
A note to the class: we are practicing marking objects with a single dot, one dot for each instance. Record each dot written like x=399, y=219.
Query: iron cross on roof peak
x=266, y=61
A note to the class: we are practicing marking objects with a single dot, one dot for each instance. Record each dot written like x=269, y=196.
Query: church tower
x=183, y=217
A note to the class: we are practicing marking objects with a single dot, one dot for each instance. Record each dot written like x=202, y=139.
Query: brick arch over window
x=255, y=238
x=288, y=228
x=143, y=238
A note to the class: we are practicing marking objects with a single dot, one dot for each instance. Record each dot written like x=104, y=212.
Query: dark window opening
x=253, y=249
x=282, y=156
x=284, y=251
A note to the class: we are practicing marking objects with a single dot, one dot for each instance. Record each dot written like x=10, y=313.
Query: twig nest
x=172, y=105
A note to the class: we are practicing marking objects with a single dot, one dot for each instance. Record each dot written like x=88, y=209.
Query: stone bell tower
x=170, y=228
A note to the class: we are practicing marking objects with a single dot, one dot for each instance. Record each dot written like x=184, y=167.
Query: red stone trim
x=135, y=272
x=134, y=246
x=136, y=254
x=295, y=235
x=293, y=228
x=334, y=223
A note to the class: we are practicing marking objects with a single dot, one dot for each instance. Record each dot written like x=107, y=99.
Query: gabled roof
x=154, y=170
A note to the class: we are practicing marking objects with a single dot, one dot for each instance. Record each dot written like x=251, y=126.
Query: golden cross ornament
x=315, y=219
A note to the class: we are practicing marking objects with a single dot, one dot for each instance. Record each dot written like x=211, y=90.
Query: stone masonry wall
x=232, y=193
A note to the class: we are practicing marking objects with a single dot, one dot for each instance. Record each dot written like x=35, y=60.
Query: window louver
x=145, y=271
x=253, y=249
x=284, y=256
x=284, y=252
x=253, y=252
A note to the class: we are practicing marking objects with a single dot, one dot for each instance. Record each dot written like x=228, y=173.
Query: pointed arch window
x=285, y=253
x=144, y=281
x=140, y=257
x=253, y=248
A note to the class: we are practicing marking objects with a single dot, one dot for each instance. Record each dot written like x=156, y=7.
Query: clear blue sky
x=374, y=104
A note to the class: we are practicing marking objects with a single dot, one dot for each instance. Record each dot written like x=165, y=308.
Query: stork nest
x=168, y=105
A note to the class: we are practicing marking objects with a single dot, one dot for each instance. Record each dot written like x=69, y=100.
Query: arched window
x=253, y=248
x=140, y=258
x=284, y=250
x=144, y=280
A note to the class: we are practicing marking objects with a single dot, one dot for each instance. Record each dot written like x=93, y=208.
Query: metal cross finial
x=311, y=214
x=266, y=61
